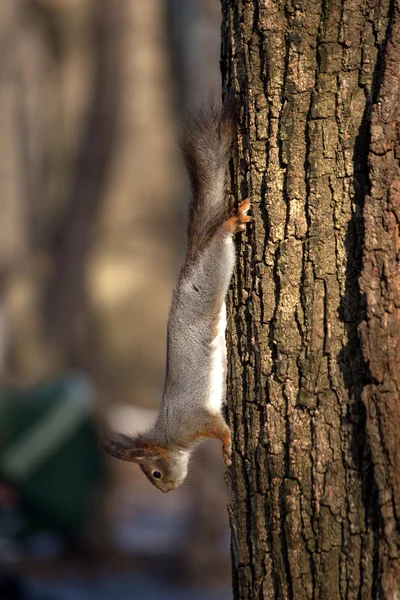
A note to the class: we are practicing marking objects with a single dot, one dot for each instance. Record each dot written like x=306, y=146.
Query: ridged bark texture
x=380, y=332
x=313, y=505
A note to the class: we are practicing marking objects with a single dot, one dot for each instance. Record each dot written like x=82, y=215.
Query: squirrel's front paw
x=220, y=430
x=227, y=455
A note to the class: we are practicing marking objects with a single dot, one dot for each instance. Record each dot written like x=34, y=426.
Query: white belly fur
x=218, y=362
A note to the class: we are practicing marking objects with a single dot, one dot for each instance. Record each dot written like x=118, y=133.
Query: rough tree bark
x=314, y=488
x=380, y=332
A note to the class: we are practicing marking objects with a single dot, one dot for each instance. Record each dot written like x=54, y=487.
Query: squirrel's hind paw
x=238, y=222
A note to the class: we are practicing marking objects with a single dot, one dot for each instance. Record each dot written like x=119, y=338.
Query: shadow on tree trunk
x=352, y=311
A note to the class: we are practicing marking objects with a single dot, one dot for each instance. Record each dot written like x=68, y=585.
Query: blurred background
x=93, y=208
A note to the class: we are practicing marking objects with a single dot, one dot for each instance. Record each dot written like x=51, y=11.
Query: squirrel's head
x=165, y=469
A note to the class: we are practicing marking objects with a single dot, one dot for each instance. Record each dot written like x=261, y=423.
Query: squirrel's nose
x=170, y=487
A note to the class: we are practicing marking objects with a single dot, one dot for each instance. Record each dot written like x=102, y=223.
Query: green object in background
x=49, y=453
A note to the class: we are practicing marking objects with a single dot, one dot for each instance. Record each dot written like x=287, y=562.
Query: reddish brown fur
x=151, y=448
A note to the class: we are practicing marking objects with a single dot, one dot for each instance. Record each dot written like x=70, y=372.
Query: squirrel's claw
x=243, y=209
x=227, y=455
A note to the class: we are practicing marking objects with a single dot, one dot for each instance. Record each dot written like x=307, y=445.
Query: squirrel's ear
x=124, y=447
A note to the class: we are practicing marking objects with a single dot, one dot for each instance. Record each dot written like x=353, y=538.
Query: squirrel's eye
x=156, y=474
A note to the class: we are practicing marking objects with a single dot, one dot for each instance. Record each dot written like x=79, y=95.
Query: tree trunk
x=314, y=487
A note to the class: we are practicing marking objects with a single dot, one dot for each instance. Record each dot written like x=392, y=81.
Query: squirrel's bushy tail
x=206, y=147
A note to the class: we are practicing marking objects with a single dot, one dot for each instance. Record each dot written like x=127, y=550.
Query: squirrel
x=194, y=392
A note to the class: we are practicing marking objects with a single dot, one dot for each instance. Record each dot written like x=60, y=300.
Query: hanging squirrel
x=194, y=390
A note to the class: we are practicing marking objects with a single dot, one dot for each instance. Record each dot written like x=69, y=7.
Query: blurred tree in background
x=92, y=190
x=93, y=205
